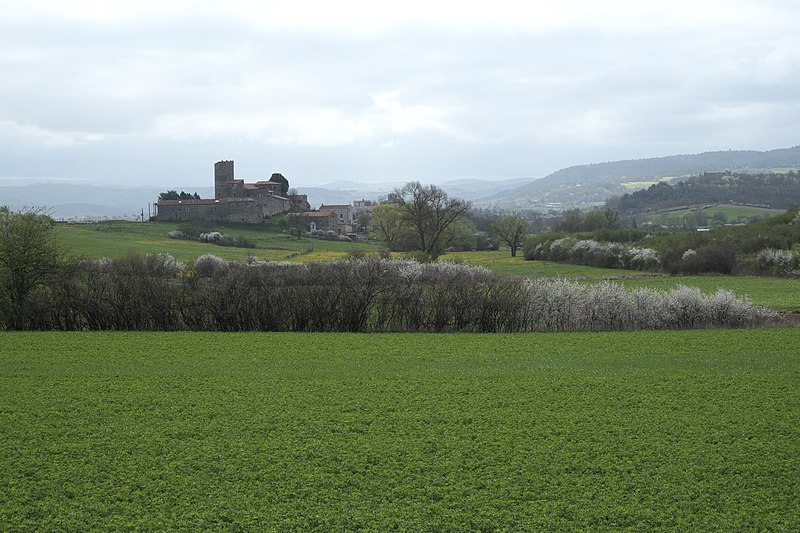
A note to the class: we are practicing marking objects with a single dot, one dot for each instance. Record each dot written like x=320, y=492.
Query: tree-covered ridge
x=582, y=185
x=780, y=191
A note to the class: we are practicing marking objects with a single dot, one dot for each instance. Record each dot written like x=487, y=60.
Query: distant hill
x=584, y=185
x=345, y=191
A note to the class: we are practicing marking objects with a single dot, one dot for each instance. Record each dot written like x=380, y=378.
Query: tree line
x=780, y=191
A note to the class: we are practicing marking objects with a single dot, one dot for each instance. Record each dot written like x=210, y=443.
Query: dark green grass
x=650, y=431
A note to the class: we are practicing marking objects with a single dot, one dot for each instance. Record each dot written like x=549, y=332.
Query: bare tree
x=429, y=212
x=296, y=225
x=510, y=229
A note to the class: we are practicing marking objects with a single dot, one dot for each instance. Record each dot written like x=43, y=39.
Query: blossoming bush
x=779, y=262
x=593, y=253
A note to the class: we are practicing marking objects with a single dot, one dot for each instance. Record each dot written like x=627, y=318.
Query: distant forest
x=779, y=191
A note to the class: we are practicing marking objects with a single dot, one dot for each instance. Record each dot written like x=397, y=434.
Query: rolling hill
x=584, y=185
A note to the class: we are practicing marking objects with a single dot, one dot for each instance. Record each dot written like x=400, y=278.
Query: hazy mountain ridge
x=345, y=191
x=579, y=185
x=594, y=183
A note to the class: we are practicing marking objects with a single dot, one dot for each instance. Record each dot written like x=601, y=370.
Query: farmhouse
x=235, y=200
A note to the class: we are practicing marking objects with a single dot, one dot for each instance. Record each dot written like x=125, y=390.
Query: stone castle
x=235, y=201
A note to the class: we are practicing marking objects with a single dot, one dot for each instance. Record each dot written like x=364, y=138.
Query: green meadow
x=115, y=239
x=649, y=431
x=732, y=213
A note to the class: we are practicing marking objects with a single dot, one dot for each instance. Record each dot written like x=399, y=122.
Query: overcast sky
x=154, y=92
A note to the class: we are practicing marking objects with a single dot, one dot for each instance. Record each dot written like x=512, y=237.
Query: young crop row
x=156, y=293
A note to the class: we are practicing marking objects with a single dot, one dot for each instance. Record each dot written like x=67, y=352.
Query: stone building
x=319, y=220
x=235, y=200
x=343, y=212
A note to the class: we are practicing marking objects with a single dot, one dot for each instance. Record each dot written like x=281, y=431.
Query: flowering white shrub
x=775, y=261
x=586, y=248
x=208, y=265
x=165, y=262
x=177, y=234
x=643, y=258
x=213, y=236
x=559, y=305
x=560, y=249
x=689, y=256
x=408, y=270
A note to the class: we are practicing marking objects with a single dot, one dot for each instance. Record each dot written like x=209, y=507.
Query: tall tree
x=29, y=256
x=386, y=225
x=429, y=211
x=510, y=229
x=279, y=178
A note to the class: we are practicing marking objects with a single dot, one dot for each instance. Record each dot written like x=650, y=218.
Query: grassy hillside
x=778, y=191
x=648, y=431
x=114, y=239
x=703, y=215
x=517, y=266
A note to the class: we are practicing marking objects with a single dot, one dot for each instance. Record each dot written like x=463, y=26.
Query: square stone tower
x=223, y=179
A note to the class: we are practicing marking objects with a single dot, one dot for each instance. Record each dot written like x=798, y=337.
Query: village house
x=344, y=217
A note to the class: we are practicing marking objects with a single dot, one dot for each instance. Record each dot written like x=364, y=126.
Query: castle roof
x=334, y=206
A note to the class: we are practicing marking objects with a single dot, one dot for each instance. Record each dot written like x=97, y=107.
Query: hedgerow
x=359, y=295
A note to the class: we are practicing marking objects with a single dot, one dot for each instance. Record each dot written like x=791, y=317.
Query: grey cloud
x=514, y=103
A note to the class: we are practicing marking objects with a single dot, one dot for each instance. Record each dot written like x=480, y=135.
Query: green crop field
x=650, y=431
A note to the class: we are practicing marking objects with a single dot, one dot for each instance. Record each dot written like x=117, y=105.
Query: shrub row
x=761, y=248
x=371, y=295
x=593, y=253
